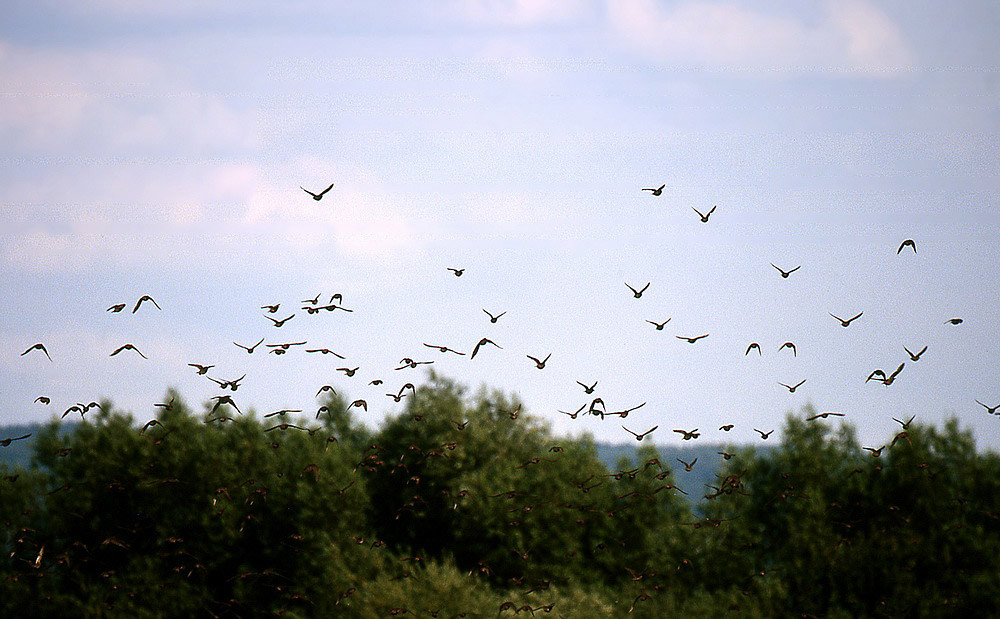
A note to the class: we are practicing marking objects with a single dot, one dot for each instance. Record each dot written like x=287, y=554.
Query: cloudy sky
x=158, y=148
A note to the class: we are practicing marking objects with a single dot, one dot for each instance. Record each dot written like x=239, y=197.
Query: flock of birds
x=596, y=406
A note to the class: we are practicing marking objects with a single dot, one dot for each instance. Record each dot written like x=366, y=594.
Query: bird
x=312, y=301
x=785, y=273
x=444, y=349
x=128, y=347
x=574, y=415
x=846, y=323
x=203, y=369
x=752, y=346
x=688, y=434
x=875, y=375
x=249, y=349
x=763, y=435
x=791, y=345
x=483, y=342
x=348, y=371
x=725, y=454
x=727, y=427
x=588, y=390
x=224, y=399
x=410, y=363
x=687, y=465
x=991, y=410
x=657, y=191
x=875, y=452
x=317, y=196
x=954, y=321
x=43, y=399
x=540, y=364
x=888, y=380
x=906, y=424
x=824, y=415
x=40, y=347
x=639, y=437
x=7, y=441
x=359, y=403
x=117, y=307
x=659, y=325
x=493, y=318
x=638, y=293
x=915, y=356
x=907, y=243
x=325, y=351
x=285, y=346
x=792, y=388
x=271, y=309
x=705, y=216
x=144, y=297
x=283, y=412
x=457, y=272
x=625, y=412
x=691, y=340
x=324, y=389
x=278, y=323
x=285, y=426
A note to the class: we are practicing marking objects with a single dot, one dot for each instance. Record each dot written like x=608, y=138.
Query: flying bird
x=875, y=376
x=127, y=347
x=144, y=297
x=588, y=390
x=202, y=369
x=657, y=191
x=785, y=273
x=915, y=356
x=727, y=427
x=705, y=216
x=763, y=435
x=954, y=321
x=639, y=437
x=991, y=410
x=540, y=364
x=687, y=435
x=444, y=349
x=114, y=309
x=349, y=371
x=317, y=196
x=278, y=323
x=638, y=293
x=43, y=399
x=271, y=309
x=483, y=342
x=249, y=349
x=691, y=340
x=325, y=351
x=824, y=415
x=752, y=346
x=888, y=380
x=789, y=345
x=907, y=243
x=846, y=323
x=792, y=388
x=659, y=325
x=7, y=441
x=906, y=424
x=687, y=465
x=40, y=347
x=457, y=272
x=493, y=318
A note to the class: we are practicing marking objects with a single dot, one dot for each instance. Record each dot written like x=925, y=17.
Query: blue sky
x=152, y=148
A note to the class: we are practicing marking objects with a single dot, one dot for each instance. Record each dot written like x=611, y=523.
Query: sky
x=151, y=148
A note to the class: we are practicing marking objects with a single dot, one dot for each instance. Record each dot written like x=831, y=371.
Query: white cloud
x=854, y=37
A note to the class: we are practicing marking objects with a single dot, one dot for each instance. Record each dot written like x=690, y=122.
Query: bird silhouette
x=444, y=349
x=540, y=364
x=785, y=273
x=483, y=342
x=791, y=345
x=687, y=465
x=727, y=427
x=638, y=293
x=875, y=452
x=271, y=309
x=457, y=272
x=7, y=441
x=687, y=435
x=317, y=196
x=493, y=318
x=279, y=323
x=875, y=375
x=792, y=388
x=846, y=323
x=588, y=390
x=907, y=243
x=324, y=389
x=906, y=424
x=283, y=412
x=202, y=369
x=824, y=415
x=578, y=411
x=249, y=349
x=752, y=346
x=285, y=346
x=659, y=325
x=114, y=309
x=127, y=347
x=43, y=399
x=888, y=380
x=992, y=410
x=144, y=297
x=639, y=437
x=40, y=347
x=954, y=321
x=348, y=371
x=325, y=351
x=915, y=356
x=691, y=340
x=657, y=191
x=763, y=435
x=704, y=216
x=312, y=301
